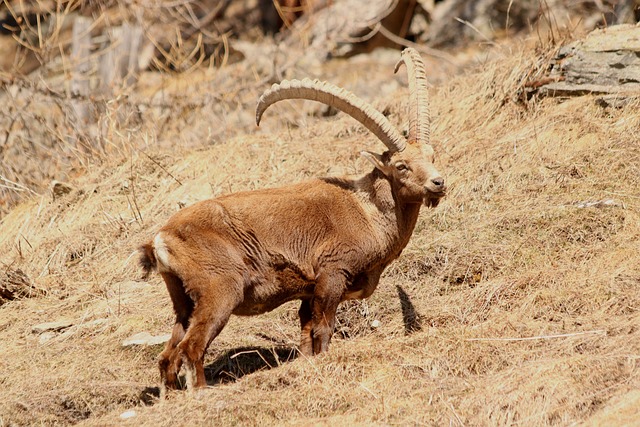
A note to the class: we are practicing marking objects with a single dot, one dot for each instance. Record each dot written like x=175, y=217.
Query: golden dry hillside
x=515, y=303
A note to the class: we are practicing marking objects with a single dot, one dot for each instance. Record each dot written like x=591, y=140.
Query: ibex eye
x=401, y=167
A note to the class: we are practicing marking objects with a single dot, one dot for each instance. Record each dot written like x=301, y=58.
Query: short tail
x=148, y=260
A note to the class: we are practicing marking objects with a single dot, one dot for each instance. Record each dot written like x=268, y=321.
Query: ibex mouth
x=432, y=199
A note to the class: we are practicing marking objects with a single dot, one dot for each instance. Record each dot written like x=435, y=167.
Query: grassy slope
x=508, y=254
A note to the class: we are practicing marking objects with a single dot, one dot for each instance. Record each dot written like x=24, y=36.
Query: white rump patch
x=162, y=253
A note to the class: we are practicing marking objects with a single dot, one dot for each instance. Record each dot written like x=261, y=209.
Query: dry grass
x=512, y=305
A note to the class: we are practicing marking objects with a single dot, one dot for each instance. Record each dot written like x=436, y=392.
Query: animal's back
x=274, y=240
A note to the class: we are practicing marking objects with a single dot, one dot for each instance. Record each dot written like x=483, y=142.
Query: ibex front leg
x=328, y=292
x=306, y=328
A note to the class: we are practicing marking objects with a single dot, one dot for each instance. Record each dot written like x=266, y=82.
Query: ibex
x=322, y=242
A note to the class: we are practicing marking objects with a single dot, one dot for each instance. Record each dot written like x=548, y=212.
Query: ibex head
x=410, y=167
x=408, y=163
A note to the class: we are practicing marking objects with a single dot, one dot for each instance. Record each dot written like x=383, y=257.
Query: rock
x=616, y=101
x=145, y=338
x=128, y=414
x=51, y=326
x=349, y=27
x=46, y=336
x=14, y=284
x=61, y=329
x=597, y=204
x=606, y=61
x=59, y=189
x=375, y=324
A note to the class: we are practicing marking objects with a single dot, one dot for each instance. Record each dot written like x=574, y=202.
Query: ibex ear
x=376, y=160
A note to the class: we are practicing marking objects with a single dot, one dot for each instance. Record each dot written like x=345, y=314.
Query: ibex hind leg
x=217, y=298
x=170, y=361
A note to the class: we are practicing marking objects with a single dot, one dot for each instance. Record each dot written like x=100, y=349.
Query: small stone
x=597, y=204
x=46, y=336
x=145, y=338
x=128, y=414
x=59, y=188
x=51, y=326
x=15, y=284
x=375, y=324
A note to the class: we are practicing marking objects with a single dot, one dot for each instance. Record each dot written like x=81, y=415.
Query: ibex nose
x=438, y=183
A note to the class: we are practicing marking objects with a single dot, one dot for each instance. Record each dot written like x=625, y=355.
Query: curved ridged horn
x=419, y=118
x=334, y=96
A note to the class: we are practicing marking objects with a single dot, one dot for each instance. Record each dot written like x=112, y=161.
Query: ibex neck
x=398, y=217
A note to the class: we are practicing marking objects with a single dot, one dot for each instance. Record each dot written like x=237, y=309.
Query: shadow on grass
x=231, y=366
x=236, y=363
x=410, y=318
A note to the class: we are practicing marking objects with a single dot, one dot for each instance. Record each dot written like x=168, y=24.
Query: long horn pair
x=419, y=117
x=359, y=109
